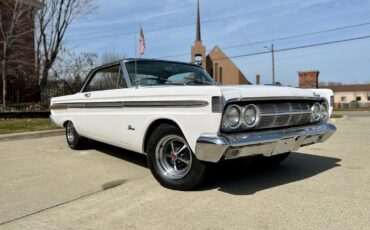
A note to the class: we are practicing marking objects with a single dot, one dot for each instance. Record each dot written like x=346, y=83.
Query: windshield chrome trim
x=130, y=85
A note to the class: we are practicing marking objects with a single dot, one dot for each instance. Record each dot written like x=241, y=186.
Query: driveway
x=45, y=185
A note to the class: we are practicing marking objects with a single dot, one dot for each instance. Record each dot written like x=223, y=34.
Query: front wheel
x=171, y=160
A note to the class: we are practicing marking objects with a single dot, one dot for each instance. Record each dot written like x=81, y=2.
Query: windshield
x=166, y=73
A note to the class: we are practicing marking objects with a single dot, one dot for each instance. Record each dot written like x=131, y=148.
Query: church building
x=217, y=64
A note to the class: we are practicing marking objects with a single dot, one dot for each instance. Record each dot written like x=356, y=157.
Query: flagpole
x=140, y=28
x=135, y=55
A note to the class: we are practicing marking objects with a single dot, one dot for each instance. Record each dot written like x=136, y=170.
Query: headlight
x=232, y=116
x=324, y=111
x=315, y=112
x=251, y=115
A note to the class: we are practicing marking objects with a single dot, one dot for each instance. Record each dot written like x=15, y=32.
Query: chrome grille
x=284, y=114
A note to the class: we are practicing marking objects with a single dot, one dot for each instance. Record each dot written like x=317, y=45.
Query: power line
x=283, y=38
x=189, y=24
x=299, y=47
x=301, y=35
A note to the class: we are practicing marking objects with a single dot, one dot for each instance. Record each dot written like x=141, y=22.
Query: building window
x=344, y=98
x=216, y=72
x=358, y=98
x=220, y=75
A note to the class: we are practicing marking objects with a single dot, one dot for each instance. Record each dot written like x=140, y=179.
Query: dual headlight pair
x=319, y=111
x=236, y=116
x=249, y=116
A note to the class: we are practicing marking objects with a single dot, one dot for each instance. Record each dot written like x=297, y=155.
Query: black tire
x=171, y=160
x=74, y=140
x=277, y=159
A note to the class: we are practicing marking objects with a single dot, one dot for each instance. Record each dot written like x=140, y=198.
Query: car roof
x=142, y=59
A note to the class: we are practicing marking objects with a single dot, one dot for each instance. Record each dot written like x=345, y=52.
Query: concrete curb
x=31, y=135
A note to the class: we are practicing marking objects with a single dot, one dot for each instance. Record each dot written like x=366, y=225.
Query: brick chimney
x=258, y=79
x=309, y=79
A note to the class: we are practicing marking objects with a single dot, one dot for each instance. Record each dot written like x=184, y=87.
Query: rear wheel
x=74, y=140
x=171, y=160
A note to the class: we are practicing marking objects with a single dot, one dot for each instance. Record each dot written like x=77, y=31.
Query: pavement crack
x=51, y=207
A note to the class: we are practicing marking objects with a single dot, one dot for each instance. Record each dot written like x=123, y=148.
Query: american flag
x=142, y=41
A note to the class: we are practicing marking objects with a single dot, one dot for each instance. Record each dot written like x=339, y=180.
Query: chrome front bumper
x=229, y=146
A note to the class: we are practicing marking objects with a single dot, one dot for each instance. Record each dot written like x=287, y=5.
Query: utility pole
x=273, y=63
x=272, y=50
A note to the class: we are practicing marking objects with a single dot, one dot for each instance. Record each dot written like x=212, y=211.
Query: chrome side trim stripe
x=121, y=104
x=75, y=105
x=165, y=103
x=251, y=99
x=113, y=104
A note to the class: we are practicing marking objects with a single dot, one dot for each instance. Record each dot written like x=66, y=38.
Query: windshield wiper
x=199, y=82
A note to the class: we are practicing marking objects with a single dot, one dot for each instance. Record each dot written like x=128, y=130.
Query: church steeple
x=198, y=51
x=198, y=35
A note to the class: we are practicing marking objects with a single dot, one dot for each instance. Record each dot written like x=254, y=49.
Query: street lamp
x=273, y=61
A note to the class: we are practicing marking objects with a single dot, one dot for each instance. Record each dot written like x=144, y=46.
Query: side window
x=105, y=79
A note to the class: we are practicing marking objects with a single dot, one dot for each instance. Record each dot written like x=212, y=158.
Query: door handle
x=87, y=94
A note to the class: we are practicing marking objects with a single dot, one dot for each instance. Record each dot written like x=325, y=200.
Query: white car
x=178, y=116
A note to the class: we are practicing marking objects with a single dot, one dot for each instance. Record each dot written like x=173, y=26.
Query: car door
x=104, y=105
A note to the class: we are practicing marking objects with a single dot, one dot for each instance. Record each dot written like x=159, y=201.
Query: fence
x=352, y=105
x=31, y=99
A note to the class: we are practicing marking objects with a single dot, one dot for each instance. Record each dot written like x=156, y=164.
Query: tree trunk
x=3, y=73
x=44, y=82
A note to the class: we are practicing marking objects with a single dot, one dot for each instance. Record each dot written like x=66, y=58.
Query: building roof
x=218, y=49
x=347, y=88
x=225, y=57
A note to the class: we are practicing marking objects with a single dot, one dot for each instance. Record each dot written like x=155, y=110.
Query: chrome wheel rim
x=71, y=132
x=173, y=157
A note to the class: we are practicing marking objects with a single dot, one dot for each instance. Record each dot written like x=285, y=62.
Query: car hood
x=260, y=91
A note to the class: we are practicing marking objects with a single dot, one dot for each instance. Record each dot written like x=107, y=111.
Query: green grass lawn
x=25, y=125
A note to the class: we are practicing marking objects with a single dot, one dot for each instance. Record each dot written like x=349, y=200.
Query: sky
x=169, y=30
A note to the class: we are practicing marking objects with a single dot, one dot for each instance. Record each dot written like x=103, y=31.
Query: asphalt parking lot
x=45, y=185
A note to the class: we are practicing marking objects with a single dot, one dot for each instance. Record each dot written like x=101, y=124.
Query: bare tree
x=52, y=22
x=15, y=26
x=110, y=56
x=73, y=67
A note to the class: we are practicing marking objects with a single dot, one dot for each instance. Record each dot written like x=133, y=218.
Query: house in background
x=217, y=64
x=345, y=96
x=350, y=96
x=21, y=79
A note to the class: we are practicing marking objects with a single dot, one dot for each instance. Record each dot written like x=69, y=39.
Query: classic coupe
x=182, y=120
